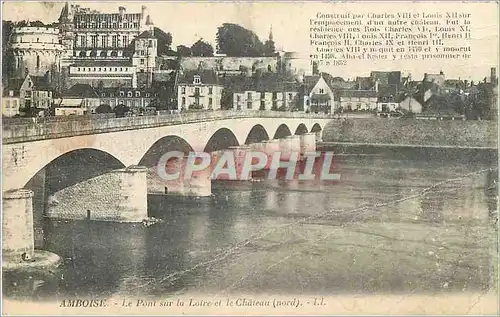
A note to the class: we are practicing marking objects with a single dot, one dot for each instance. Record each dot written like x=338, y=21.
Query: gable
x=321, y=84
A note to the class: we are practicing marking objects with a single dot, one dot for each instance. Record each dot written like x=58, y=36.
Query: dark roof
x=309, y=83
x=358, y=93
x=81, y=91
x=40, y=82
x=145, y=35
x=267, y=82
x=365, y=83
x=387, y=78
x=387, y=90
x=208, y=77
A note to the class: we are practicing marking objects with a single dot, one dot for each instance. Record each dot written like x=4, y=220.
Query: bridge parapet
x=46, y=128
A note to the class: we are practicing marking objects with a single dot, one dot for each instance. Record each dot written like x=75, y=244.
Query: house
x=145, y=51
x=387, y=98
x=29, y=95
x=10, y=103
x=268, y=91
x=318, y=95
x=358, y=100
x=133, y=98
x=79, y=96
x=199, y=90
x=410, y=104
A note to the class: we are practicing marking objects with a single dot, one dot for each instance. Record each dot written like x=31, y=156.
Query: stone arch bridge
x=94, y=165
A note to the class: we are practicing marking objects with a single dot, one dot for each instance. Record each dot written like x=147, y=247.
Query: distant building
x=266, y=92
x=10, y=103
x=318, y=95
x=199, y=90
x=29, y=95
x=101, y=73
x=358, y=100
x=79, y=99
x=132, y=98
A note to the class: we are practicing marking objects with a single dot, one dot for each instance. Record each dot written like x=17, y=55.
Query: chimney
x=441, y=73
x=143, y=11
x=376, y=85
x=466, y=83
x=493, y=74
x=315, y=70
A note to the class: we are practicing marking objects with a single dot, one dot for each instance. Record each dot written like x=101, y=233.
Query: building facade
x=198, y=90
x=135, y=99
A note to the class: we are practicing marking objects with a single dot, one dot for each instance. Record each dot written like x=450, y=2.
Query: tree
x=120, y=110
x=104, y=108
x=226, y=100
x=201, y=48
x=184, y=51
x=164, y=40
x=236, y=41
x=269, y=48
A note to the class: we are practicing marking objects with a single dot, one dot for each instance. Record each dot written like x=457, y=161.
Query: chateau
x=86, y=46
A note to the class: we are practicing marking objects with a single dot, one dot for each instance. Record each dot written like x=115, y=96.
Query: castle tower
x=66, y=30
x=36, y=50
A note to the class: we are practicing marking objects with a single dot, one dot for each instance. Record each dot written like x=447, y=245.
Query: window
x=37, y=39
x=147, y=94
x=78, y=68
x=321, y=91
x=210, y=91
x=183, y=101
x=249, y=96
x=103, y=95
x=93, y=38
x=129, y=94
x=142, y=61
x=238, y=98
x=183, y=90
x=197, y=80
x=37, y=61
x=103, y=41
x=290, y=96
x=150, y=43
x=82, y=41
x=262, y=95
x=122, y=94
x=210, y=101
x=114, y=40
x=125, y=40
x=137, y=94
x=197, y=91
x=249, y=104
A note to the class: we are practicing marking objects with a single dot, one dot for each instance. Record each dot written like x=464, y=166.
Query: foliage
x=201, y=48
x=164, y=41
x=236, y=41
x=184, y=51
x=226, y=100
x=104, y=108
x=120, y=110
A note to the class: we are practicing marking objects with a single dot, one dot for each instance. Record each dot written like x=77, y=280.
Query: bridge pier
x=307, y=143
x=119, y=195
x=198, y=185
x=17, y=224
x=240, y=153
x=18, y=241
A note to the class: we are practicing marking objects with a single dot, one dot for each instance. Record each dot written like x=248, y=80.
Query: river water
x=392, y=224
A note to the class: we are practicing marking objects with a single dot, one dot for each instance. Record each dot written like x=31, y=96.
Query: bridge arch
x=301, y=129
x=163, y=145
x=221, y=139
x=282, y=131
x=257, y=134
x=316, y=128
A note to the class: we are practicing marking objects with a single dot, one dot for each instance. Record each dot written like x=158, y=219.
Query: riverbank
x=409, y=132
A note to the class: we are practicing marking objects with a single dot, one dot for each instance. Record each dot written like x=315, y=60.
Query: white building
x=198, y=90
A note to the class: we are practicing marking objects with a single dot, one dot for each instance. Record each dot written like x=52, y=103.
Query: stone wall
x=228, y=63
x=413, y=132
x=120, y=195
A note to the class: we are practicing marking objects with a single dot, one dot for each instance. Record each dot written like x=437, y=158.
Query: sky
x=190, y=21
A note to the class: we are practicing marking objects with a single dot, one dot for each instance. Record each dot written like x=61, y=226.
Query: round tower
x=36, y=50
x=66, y=29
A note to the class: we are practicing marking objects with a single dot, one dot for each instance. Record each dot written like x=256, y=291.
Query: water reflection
x=419, y=243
